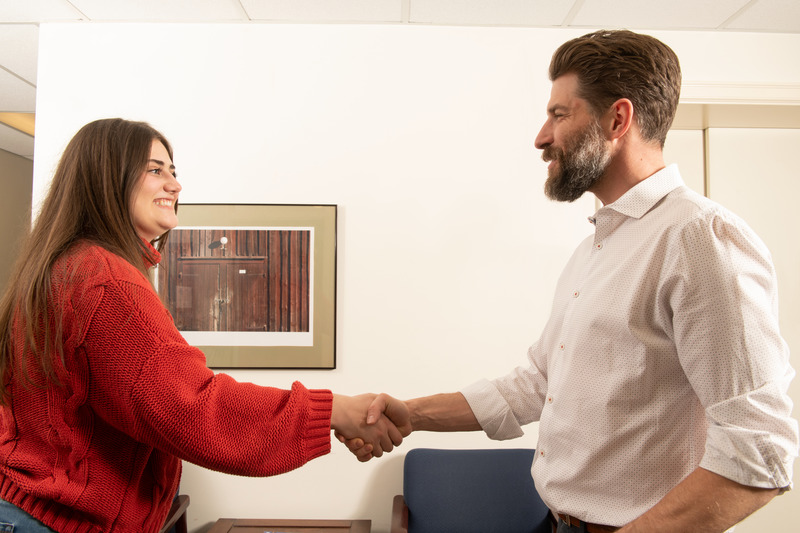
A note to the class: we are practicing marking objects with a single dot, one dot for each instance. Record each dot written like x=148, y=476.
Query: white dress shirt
x=662, y=353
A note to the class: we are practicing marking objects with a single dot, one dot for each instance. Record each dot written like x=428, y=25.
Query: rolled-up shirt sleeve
x=728, y=340
x=504, y=405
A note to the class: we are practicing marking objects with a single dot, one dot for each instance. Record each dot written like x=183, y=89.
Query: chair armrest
x=399, y=515
x=177, y=515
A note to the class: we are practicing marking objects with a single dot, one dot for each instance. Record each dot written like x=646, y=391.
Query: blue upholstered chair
x=469, y=491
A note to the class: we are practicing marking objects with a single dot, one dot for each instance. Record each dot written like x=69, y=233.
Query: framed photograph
x=254, y=286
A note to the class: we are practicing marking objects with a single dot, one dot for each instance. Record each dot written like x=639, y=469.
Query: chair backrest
x=466, y=491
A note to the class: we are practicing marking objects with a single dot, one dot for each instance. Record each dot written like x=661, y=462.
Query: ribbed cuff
x=318, y=431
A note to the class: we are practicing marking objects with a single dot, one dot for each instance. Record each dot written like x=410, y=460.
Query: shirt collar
x=640, y=198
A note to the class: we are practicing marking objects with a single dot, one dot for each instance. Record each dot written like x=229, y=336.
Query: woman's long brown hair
x=90, y=200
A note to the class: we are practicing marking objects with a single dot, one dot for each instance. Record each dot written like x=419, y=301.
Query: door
x=245, y=292
x=197, y=296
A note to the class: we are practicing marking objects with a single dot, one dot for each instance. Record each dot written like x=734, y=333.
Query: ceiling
x=20, y=19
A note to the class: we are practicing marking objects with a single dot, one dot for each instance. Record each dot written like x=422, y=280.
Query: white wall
x=447, y=250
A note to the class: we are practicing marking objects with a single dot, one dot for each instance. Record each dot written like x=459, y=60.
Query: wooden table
x=242, y=525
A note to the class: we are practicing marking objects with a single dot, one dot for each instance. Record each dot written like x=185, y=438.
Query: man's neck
x=627, y=169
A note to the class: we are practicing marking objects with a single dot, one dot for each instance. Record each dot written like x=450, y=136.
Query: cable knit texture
x=102, y=453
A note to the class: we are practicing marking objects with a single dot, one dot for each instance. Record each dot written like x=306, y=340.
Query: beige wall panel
x=17, y=179
x=685, y=147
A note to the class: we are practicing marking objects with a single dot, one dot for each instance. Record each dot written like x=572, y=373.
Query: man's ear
x=619, y=118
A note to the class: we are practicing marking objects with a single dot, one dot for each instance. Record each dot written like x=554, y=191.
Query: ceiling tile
x=37, y=11
x=19, y=48
x=161, y=11
x=15, y=94
x=497, y=12
x=656, y=14
x=769, y=15
x=324, y=10
x=15, y=141
x=19, y=20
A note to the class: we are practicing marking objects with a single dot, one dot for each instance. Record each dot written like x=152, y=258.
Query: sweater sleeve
x=145, y=380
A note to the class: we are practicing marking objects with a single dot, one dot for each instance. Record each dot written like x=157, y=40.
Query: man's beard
x=580, y=164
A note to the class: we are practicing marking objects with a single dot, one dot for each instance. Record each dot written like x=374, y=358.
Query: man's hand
x=382, y=410
x=359, y=422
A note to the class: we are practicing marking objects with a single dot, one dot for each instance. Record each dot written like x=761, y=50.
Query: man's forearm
x=442, y=412
x=704, y=501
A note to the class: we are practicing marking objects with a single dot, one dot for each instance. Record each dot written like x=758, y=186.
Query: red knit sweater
x=103, y=452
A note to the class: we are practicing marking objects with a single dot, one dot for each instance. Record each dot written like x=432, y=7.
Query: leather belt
x=588, y=527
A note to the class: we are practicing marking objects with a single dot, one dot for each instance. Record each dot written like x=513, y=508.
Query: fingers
x=380, y=440
x=364, y=458
x=357, y=446
x=387, y=434
x=377, y=440
x=395, y=435
x=364, y=453
x=376, y=408
x=397, y=411
x=351, y=444
x=386, y=442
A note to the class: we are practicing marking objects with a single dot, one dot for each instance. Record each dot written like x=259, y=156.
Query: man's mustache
x=550, y=153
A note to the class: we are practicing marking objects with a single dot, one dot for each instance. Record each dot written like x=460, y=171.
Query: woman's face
x=153, y=206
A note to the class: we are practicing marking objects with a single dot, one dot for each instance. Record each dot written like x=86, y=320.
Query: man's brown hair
x=614, y=64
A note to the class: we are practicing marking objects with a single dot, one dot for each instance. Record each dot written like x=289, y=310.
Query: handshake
x=370, y=424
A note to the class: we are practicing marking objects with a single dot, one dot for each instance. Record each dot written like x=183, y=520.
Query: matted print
x=254, y=286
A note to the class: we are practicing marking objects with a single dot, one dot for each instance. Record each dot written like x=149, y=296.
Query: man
x=660, y=380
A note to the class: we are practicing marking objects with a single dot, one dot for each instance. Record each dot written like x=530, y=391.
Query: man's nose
x=544, y=138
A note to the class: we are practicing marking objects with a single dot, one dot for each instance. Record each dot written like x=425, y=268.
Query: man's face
x=573, y=142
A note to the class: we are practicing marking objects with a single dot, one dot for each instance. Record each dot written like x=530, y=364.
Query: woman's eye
x=155, y=170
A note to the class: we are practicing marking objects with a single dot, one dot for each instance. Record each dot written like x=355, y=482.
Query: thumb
x=376, y=408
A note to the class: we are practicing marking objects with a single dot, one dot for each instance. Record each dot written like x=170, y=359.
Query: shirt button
x=561, y=347
x=576, y=294
x=599, y=246
x=541, y=453
x=549, y=399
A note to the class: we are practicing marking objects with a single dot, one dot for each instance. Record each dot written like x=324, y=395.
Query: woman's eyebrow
x=161, y=163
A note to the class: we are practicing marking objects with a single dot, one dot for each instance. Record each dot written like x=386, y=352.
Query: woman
x=101, y=396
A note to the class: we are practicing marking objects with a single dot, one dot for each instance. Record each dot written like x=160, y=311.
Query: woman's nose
x=174, y=185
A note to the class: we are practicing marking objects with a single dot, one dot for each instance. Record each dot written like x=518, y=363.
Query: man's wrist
x=414, y=414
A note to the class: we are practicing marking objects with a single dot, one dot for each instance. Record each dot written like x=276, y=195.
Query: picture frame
x=254, y=285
